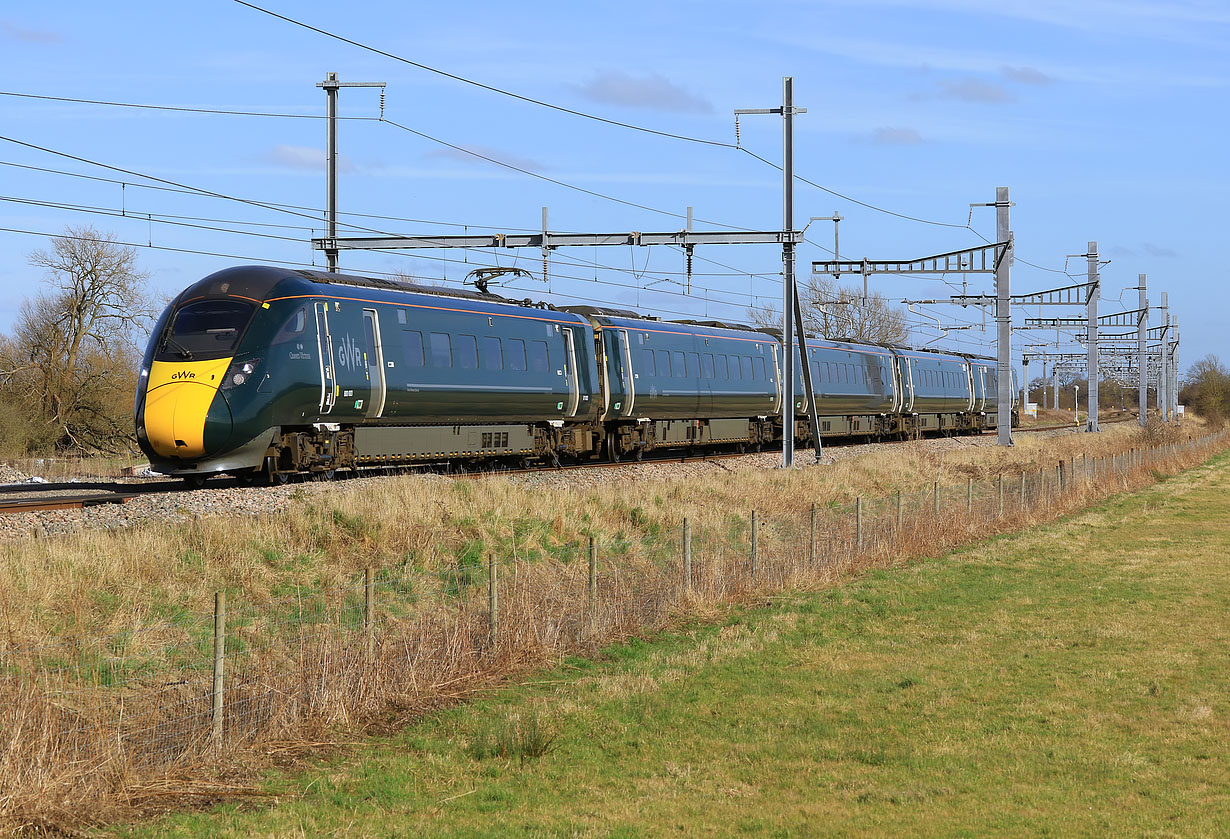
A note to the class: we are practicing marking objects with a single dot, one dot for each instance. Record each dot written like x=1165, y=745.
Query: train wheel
x=612, y=448
x=271, y=476
x=195, y=481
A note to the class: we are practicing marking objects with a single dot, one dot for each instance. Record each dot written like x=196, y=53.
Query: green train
x=265, y=373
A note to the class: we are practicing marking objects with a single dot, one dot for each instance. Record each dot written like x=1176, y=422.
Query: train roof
x=257, y=282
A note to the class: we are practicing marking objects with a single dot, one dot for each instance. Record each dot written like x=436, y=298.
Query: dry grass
x=109, y=634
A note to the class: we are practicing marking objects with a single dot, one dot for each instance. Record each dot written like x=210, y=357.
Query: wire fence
x=201, y=688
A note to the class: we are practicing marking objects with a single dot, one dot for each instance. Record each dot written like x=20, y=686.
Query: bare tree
x=73, y=353
x=1208, y=389
x=842, y=313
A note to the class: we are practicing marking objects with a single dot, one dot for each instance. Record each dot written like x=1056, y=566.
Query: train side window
x=647, y=365
x=664, y=363
x=723, y=367
x=516, y=354
x=539, y=361
x=758, y=363
x=412, y=343
x=401, y=316
x=815, y=372
x=734, y=367
x=677, y=365
x=745, y=366
x=493, y=356
x=693, y=365
x=293, y=327
x=441, y=350
x=467, y=352
x=707, y=365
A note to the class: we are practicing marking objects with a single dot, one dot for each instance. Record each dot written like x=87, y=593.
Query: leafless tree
x=1208, y=389
x=73, y=353
x=842, y=313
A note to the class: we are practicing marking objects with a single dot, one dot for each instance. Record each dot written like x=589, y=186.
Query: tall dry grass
x=106, y=705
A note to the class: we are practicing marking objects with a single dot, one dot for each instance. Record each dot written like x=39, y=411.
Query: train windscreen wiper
x=184, y=352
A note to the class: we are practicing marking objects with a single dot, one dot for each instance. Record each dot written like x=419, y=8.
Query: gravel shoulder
x=226, y=499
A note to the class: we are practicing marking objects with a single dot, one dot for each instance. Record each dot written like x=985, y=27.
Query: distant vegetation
x=68, y=368
x=1208, y=390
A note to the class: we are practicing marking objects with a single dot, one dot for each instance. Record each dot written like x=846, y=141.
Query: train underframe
x=324, y=448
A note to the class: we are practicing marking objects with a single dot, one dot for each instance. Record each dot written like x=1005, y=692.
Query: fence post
x=1022, y=491
x=687, y=555
x=935, y=499
x=899, y=515
x=493, y=600
x=858, y=523
x=755, y=543
x=1001, y=495
x=219, y=657
x=369, y=612
x=812, y=554
x=969, y=497
x=593, y=584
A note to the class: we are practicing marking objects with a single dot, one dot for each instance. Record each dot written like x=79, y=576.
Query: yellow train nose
x=177, y=401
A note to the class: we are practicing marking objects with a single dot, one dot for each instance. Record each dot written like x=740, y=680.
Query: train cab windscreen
x=205, y=329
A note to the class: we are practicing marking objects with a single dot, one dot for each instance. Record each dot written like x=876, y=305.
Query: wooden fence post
x=687, y=555
x=219, y=658
x=369, y=612
x=755, y=543
x=969, y=497
x=593, y=584
x=493, y=600
x=812, y=554
x=858, y=524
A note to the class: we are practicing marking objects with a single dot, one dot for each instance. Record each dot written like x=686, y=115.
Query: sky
x=1105, y=118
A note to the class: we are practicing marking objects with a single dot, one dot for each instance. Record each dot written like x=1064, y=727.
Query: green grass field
x=1068, y=681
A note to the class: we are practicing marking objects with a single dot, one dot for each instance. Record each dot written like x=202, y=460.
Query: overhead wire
x=484, y=86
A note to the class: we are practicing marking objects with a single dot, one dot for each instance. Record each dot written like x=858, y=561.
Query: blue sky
x=1106, y=120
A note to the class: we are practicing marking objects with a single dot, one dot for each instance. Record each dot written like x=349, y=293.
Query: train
x=266, y=373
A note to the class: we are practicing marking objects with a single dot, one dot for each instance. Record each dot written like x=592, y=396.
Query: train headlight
x=239, y=373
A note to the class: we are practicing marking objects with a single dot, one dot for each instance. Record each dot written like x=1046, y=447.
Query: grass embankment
x=1067, y=681
x=64, y=594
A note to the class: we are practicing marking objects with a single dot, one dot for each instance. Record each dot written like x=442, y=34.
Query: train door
x=909, y=380
x=328, y=384
x=375, y=363
x=777, y=377
x=627, y=377
x=570, y=373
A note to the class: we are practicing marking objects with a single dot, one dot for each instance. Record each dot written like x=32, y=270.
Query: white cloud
x=1026, y=75
x=472, y=152
x=30, y=36
x=305, y=158
x=886, y=136
x=652, y=91
x=974, y=90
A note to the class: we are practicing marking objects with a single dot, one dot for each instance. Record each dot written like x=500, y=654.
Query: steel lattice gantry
x=987, y=259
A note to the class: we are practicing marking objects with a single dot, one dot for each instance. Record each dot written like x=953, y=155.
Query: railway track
x=76, y=496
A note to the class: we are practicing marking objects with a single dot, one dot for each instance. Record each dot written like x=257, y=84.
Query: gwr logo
x=349, y=355
x=183, y=374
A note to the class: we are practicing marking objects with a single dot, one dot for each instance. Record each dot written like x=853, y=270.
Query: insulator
x=382, y=103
